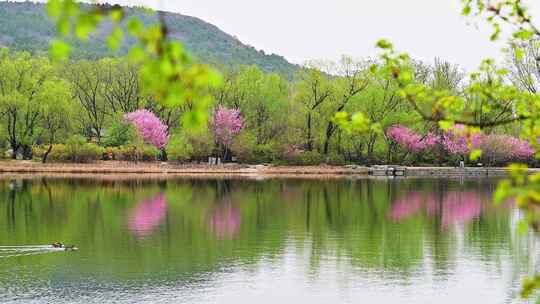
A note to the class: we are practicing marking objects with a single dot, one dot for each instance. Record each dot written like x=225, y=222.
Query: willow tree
x=25, y=84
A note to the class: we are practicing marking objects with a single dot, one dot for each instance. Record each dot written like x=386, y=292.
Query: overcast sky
x=301, y=30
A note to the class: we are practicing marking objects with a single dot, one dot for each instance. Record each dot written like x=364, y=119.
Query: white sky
x=302, y=30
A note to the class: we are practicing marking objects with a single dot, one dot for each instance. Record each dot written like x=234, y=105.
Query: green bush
x=59, y=153
x=191, y=145
x=39, y=151
x=87, y=153
x=179, y=148
x=132, y=153
x=307, y=158
x=77, y=150
x=149, y=153
x=246, y=149
x=120, y=134
x=335, y=159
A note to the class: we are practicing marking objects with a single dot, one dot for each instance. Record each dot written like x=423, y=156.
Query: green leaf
x=523, y=34
x=405, y=76
x=136, y=54
x=194, y=119
x=466, y=10
x=117, y=15
x=115, y=39
x=503, y=189
x=475, y=154
x=84, y=27
x=384, y=44
x=519, y=53
x=63, y=26
x=446, y=125
x=522, y=227
x=59, y=50
x=135, y=26
x=54, y=8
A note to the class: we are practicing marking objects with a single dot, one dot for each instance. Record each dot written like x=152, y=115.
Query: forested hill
x=25, y=26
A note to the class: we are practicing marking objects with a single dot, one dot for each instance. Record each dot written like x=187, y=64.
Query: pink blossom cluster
x=226, y=124
x=495, y=147
x=409, y=140
x=503, y=148
x=455, y=142
x=150, y=127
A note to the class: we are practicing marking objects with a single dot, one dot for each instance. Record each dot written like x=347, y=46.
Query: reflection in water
x=147, y=215
x=225, y=221
x=243, y=241
x=454, y=206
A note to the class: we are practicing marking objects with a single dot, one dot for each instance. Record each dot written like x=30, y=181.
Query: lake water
x=261, y=241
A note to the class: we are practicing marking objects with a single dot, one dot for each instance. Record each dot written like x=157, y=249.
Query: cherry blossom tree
x=151, y=129
x=225, y=125
x=409, y=140
x=496, y=148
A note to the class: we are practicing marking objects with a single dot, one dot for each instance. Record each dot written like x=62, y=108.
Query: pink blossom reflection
x=454, y=207
x=407, y=206
x=460, y=207
x=147, y=215
x=225, y=221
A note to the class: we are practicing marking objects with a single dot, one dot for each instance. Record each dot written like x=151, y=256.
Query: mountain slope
x=25, y=26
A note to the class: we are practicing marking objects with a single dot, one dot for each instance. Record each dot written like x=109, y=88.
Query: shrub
x=120, y=133
x=78, y=150
x=246, y=149
x=74, y=144
x=149, y=153
x=133, y=153
x=336, y=159
x=87, y=153
x=192, y=145
x=307, y=158
x=179, y=148
x=59, y=153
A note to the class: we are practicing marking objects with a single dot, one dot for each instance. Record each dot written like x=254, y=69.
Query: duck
x=59, y=245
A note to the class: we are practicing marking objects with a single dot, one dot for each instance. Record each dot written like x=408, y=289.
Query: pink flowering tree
x=496, y=148
x=150, y=128
x=409, y=140
x=225, y=125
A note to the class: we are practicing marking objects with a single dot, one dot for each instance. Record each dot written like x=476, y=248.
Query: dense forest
x=25, y=26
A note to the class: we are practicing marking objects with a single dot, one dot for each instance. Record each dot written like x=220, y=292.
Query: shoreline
x=164, y=169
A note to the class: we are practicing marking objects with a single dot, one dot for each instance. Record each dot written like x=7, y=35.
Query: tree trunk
x=14, y=148
x=329, y=133
x=309, y=139
x=44, y=159
x=164, y=156
x=27, y=152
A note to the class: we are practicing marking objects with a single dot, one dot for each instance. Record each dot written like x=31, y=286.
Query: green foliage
x=59, y=153
x=307, y=158
x=120, y=133
x=247, y=149
x=179, y=148
x=80, y=151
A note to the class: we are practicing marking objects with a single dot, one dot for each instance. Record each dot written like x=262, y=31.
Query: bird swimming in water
x=59, y=245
